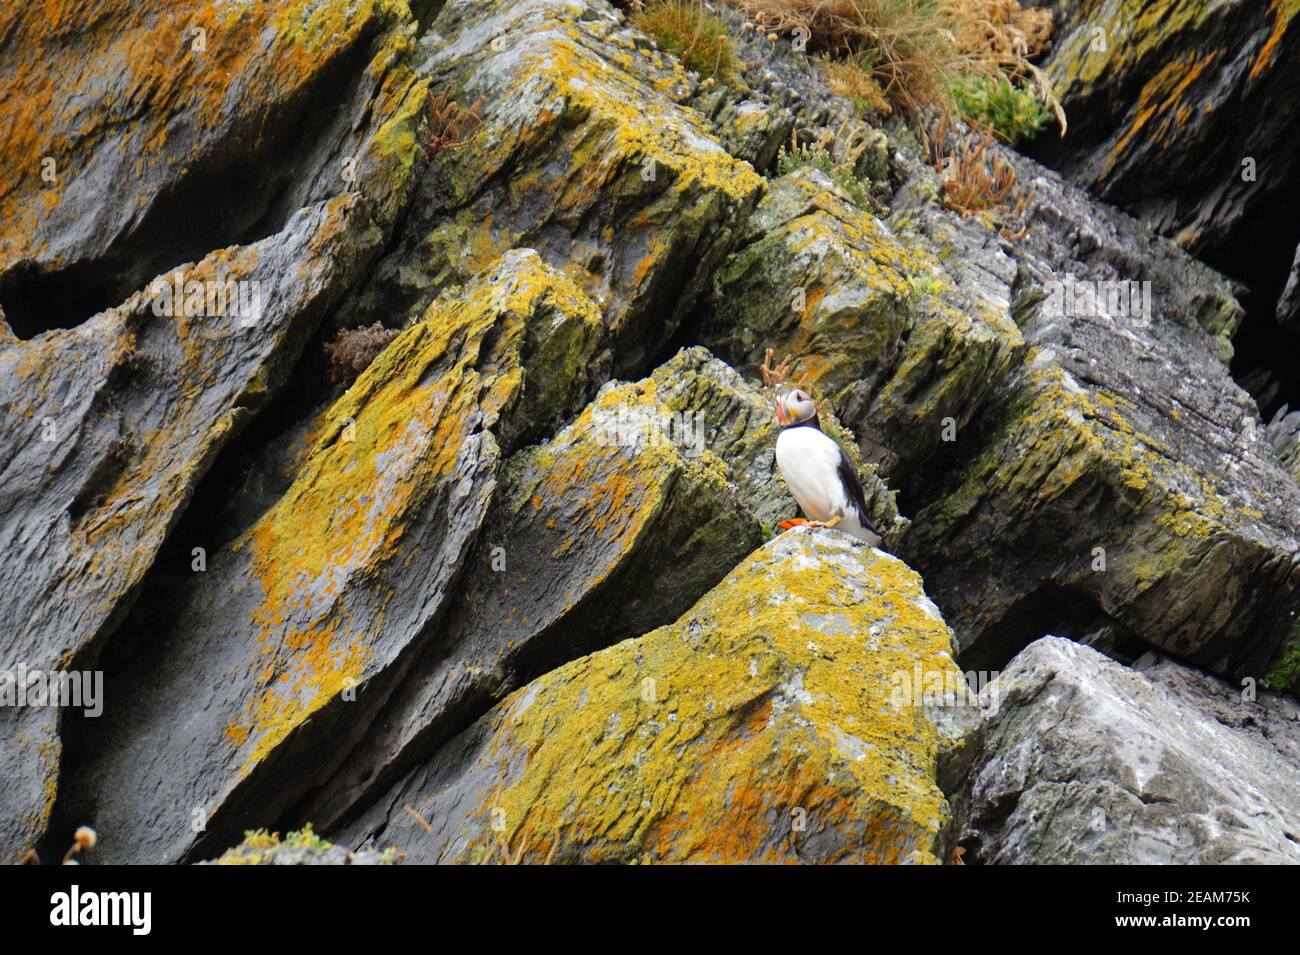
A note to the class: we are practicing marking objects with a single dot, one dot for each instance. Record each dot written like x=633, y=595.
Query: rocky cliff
x=518, y=590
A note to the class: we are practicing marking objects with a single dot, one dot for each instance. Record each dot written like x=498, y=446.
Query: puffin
x=818, y=472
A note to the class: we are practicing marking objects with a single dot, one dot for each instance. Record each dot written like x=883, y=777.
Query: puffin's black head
x=797, y=407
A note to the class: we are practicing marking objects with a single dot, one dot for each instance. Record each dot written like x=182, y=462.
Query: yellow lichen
x=383, y=448
x=774, y=697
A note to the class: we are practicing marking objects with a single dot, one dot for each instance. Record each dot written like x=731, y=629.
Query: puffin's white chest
x=809, y=462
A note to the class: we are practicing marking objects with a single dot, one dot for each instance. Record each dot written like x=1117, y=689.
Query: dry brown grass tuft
x=450, y=125
x=353, y=350
x=914, y=50
x=852, y=79
x=774, y=375
x=84, y=838
x=973, y=178
x=904, y=45
x=1001, y=29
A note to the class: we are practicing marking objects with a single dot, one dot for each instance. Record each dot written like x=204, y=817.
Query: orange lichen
x=1284, y=12
x=1161, y=95
x=384, y=446
x=133, y=71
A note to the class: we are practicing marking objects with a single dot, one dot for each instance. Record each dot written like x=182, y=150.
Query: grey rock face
x=1288, y=306
x=492, y=602
x=780, y=94
x=1166, y=107
x=1284, y=434
x=565, y=162
x=1087, y=761
x=133, y=125
x=613, y=527
x=281, y=652
x=1123, y=431
x=111, y=425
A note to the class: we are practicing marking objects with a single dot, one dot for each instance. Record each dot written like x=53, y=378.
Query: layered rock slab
x=615, y=526
x=129, y=125
x=818, y=279
x=897, y=338
x=295, y=632
x=1167, y=103
x=1122, y=481
x=767, y=724
x=110, y=427
x=1087, y=761
x=581, y=152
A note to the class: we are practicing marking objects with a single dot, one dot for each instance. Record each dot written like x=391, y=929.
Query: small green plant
x=304, y=838
x=816, y=156
x=1287, y=673
x=686, y=29
x=1012, y=111
x=260, y=839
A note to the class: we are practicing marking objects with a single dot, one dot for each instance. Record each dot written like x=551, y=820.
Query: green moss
x=1286, y=675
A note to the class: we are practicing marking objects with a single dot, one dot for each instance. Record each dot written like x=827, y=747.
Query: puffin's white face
x=795, y=408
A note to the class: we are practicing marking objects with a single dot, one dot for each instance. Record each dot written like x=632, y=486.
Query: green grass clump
x=906, y=56
x=1013, y=111
x=306, y=839
x=815, y=156
x=690, y=32
x=1287, y=673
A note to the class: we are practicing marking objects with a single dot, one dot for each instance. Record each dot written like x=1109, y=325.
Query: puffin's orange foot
x=800, y=522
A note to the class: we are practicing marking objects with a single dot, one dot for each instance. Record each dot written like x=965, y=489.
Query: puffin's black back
x=853, y=487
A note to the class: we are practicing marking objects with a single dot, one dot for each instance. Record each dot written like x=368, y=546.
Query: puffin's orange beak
x=780, y=411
